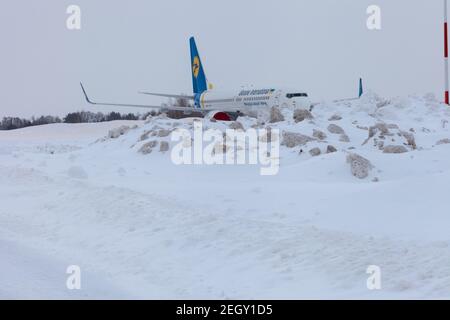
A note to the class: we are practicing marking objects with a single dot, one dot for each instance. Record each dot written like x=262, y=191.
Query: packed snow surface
x=360, y=183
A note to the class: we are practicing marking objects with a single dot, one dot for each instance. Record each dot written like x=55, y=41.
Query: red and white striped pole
x=447, y=98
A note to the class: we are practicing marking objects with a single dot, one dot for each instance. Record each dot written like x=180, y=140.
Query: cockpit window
x=293, y=95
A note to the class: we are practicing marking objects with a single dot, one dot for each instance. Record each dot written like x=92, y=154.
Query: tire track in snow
x=162, y=248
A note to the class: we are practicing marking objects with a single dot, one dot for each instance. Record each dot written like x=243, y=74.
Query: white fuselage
x=250, y=99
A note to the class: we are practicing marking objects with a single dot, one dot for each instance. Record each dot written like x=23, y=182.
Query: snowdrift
x=360, y=183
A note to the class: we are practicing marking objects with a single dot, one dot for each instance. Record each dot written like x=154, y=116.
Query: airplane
x=224, y=105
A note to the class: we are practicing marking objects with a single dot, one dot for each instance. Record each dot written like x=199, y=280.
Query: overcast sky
x=320, y=46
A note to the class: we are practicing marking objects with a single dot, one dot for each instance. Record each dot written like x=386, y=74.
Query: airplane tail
x=198, y=74
x=361, y=90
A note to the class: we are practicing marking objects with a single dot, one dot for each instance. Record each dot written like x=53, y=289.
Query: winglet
x=361, y=90
x=85, y=94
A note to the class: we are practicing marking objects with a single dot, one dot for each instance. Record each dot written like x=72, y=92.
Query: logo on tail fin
x=196, y=66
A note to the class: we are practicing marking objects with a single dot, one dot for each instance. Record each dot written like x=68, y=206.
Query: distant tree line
x=90, y=117
x=11, y=123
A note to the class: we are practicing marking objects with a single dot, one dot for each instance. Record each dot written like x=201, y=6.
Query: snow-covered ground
x=140, y=226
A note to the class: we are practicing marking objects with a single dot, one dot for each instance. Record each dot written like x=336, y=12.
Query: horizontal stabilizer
x=176, y=108
x=177, y=96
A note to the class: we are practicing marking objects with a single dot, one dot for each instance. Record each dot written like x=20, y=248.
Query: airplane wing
x=335, y=101
x=360, y=93
x=168, y=95
x=176, y=108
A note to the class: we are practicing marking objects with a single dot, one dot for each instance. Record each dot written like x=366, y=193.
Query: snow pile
x=293, y=139
x=275, y=115
x=117, y=132
x=360, y=166
x=302, y=114
x=369, y=126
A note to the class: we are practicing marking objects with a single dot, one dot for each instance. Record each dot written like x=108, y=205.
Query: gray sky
x=319, y=46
